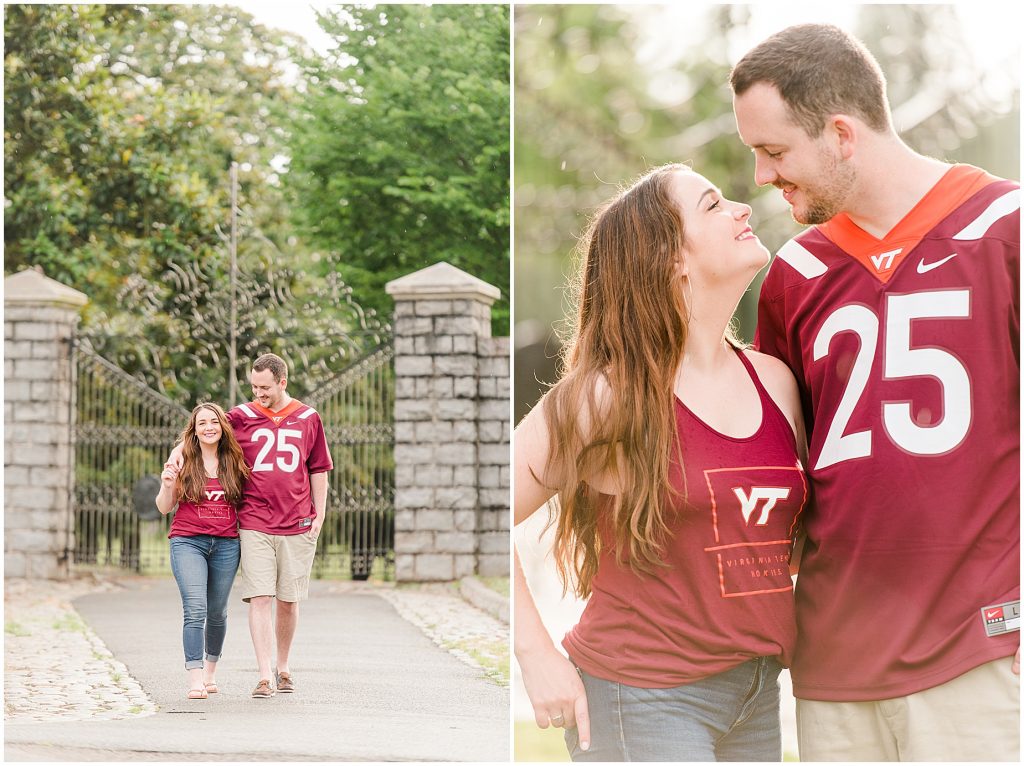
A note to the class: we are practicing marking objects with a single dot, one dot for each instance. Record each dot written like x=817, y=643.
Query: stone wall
x=40, y=316
x=451, y=428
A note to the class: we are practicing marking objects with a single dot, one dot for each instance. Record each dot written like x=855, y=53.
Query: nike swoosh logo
x=990, y=615
x=924, y=268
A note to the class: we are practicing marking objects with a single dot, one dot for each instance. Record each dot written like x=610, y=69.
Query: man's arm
x=175, y=460
x=318, y=488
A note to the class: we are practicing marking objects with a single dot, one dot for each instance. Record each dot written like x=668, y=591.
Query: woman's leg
x=223, y=564
x=756, y=734
x=188, y=563
x=630, y=723
x=728, y=716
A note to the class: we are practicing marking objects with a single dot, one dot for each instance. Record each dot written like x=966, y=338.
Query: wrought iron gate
x=357, y=408
x=124, y=430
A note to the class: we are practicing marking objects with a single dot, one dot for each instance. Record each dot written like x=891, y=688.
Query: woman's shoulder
x=776, y=377
x=769, y=365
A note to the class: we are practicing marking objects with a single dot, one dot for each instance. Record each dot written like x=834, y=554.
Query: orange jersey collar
x=276, y=417
x=881, y=256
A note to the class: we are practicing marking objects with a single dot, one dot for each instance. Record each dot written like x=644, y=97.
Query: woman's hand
x=169, y=476
x=557, y=693
x=167, y=497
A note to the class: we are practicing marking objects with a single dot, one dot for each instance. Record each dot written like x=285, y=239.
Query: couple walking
x=249, y=485
x=687, y=490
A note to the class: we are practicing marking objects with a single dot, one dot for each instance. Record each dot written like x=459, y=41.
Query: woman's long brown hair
x=628, y=338
x=232, y=470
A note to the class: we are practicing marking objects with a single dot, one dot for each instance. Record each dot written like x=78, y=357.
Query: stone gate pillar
x=40, y=317
x=451, y=428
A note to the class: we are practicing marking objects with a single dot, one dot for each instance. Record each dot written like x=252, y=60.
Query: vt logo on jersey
x=883, y=261
x=748, y=503
x=214, y=495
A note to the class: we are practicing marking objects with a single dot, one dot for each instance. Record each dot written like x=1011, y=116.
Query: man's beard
x=826, y=201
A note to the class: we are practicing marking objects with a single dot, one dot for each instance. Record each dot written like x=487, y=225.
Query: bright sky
x=298, y=18
x=992, y=28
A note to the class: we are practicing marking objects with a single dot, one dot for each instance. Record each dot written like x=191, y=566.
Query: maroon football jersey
x=726, y=595
x=283, y=449
x=906, y=352
x=212, y=515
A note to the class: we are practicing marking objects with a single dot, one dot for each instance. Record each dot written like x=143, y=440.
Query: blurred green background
x=603, y=92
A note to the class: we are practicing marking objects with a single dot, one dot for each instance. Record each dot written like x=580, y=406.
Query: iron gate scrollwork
x=123, y=432
x=356, y=408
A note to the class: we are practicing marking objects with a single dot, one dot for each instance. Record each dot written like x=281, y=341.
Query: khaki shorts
x=973, y=717
x=276, y=565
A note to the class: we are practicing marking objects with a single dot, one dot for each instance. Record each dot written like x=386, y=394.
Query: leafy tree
x=120, y=126
x=400, y=152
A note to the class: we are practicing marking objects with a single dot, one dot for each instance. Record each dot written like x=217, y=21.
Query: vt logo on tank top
x=752, y=515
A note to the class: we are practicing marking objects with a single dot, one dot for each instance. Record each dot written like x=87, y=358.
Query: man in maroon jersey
x=282, y=511
x=898, y=312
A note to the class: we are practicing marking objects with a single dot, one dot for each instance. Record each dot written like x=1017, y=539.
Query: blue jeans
x=205, y=568
x=730, y=716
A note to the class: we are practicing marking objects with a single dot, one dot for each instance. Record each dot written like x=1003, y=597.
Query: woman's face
x=208, y=428
x=719, y=241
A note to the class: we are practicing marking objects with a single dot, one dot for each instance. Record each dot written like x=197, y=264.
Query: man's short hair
x=819, y=70
x=274, y=363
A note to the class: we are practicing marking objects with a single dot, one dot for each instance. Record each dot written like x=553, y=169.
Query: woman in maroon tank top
x=674, y=453
x=204, y=537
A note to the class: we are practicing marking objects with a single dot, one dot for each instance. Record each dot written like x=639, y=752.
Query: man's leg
x=844, y=731
x=973, y=717
x=284, y=629
x=295, y=561
x=258, y=578
x=262, y=632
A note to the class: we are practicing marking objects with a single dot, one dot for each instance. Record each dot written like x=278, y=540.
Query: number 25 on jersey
x=899, y=360
x=277, y=449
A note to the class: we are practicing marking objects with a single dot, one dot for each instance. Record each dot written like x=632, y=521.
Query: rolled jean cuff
x=193, y=664
x=213, y=657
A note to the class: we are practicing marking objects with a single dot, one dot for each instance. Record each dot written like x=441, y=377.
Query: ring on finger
x=558, y=719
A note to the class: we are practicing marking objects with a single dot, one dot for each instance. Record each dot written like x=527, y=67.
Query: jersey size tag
x=1001, y=618
x=309, y=523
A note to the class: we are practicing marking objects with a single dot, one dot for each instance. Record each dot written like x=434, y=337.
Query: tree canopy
x=400, y=149
x=120, y=128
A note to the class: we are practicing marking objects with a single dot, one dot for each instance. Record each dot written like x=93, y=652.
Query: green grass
x=13, y=628
x=535, y=744
x=70, y=623
x=498, y=584
x=492, y=655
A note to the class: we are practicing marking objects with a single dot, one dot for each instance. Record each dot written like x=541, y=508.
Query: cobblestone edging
x=55, y=666
x=482, y=597
x=471, y=635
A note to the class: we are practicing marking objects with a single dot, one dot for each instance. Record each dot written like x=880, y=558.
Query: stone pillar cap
x=31, y=286
x=442, y=281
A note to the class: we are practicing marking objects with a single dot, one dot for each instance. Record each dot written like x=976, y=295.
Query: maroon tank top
x=213, y=515
x=726, y=595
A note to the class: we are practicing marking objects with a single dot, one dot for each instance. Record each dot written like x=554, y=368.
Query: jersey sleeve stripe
x=310, y=411
x=245, y=408
x=999, y=208
x=801, y=259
